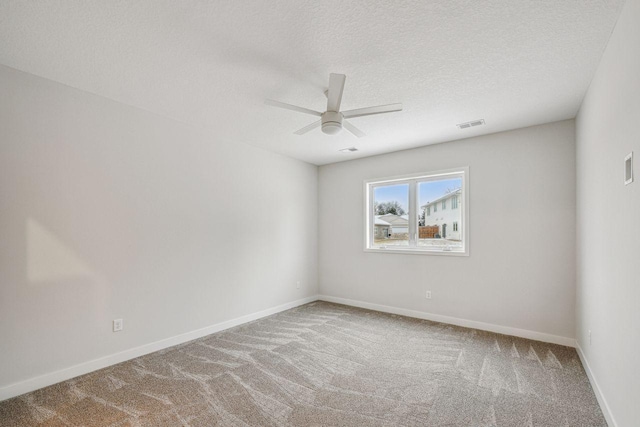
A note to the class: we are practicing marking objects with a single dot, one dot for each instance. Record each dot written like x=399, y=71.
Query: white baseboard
x=596, y=388
x=506, y=330
x=45, y=380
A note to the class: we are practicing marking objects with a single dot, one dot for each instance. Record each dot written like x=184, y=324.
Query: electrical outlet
x=118, y=325
x=589, y=336
x=428, y=296
x=298, y=284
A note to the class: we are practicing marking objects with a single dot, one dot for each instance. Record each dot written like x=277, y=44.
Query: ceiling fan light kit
x=332, y=121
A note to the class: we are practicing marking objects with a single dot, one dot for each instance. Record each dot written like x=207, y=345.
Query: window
x=405, y=204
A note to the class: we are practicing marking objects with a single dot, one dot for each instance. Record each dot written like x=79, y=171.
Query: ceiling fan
x=333, y=120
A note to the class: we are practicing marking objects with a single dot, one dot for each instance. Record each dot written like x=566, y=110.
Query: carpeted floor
x=325, y=364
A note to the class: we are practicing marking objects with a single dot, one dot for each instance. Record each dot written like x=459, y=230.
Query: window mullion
x=413, y=221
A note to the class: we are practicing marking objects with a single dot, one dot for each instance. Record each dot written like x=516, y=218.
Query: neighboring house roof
x=378, y=221
x=453, y=193
x=396, y=220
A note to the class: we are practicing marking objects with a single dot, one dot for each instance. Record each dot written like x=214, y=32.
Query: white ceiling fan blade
x=308, y=128
x=367, y=111
x=336, y=87
x=351, y=128
x=291, y=107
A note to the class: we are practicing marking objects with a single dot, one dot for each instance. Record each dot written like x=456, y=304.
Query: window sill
x=439, y=252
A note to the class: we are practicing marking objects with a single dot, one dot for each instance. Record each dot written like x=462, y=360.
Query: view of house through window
x=422, y=213
x=391, y=212
x=439, y=228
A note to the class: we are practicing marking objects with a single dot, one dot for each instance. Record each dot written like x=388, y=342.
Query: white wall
x=608, y=270
x=521, y=268
x=107, y=211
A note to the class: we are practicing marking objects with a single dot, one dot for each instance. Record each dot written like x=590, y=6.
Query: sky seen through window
x=428, y=191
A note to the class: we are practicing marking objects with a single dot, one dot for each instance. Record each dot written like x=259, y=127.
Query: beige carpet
x=328, y=365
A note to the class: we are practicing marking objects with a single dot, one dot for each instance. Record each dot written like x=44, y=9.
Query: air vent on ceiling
x=470, y=124
x=349, y=150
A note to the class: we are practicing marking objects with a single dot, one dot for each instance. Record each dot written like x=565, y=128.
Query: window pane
x=391, y=215
x=440, y=213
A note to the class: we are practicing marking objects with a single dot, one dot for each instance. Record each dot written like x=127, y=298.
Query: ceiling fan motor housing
x=331, y=122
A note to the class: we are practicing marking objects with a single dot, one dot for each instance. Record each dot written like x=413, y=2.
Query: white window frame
x=412, y=180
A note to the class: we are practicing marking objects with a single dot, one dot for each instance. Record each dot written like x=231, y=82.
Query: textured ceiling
x=514, y=63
